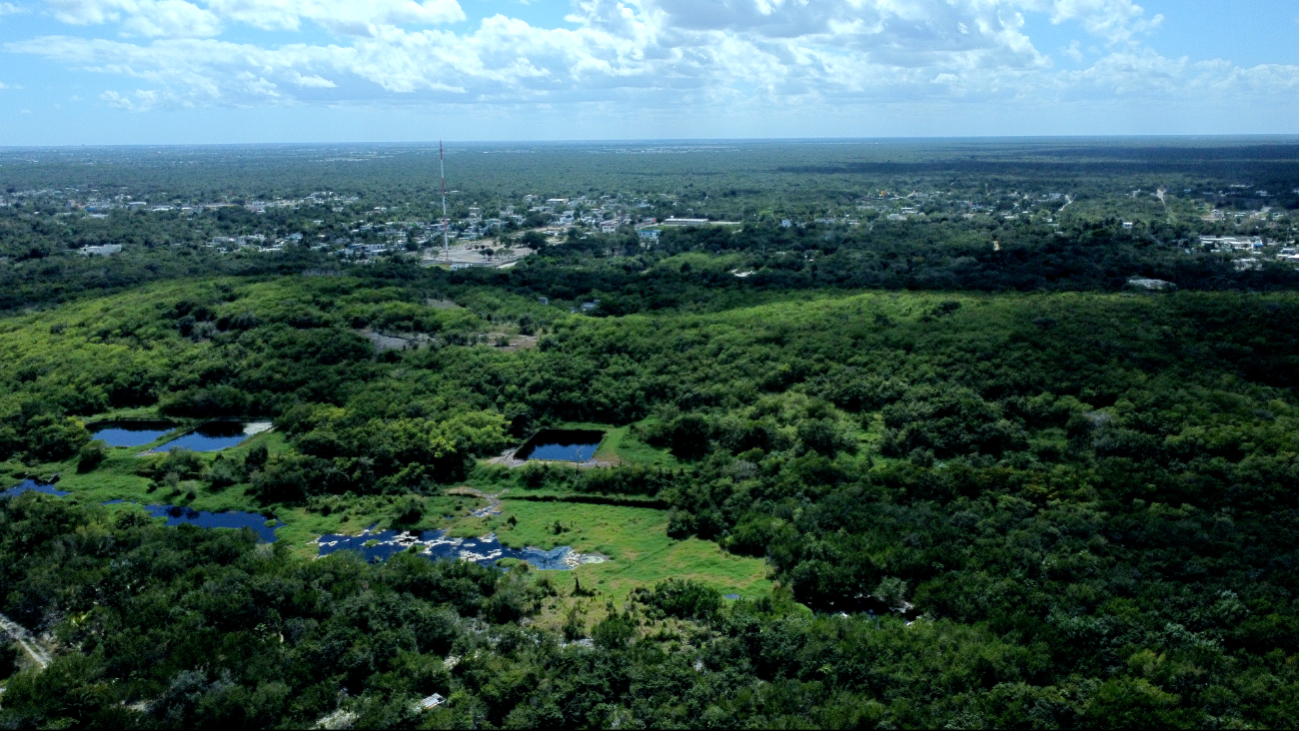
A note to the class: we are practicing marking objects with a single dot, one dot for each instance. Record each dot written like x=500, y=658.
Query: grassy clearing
x=620, y=446
x=631, y=450
x=636, y=541
x=351, y=514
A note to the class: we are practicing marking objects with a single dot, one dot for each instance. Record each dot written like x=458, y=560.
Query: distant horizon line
x=1289, y=137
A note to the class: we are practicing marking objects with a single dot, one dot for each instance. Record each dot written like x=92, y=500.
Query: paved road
x=25, y=638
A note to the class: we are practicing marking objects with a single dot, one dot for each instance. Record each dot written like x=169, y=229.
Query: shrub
x=91, y=456
x=682, y=598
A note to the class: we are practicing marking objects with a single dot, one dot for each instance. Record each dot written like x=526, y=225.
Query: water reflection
x=434, y=544
x=32, y=485
x=181, y=515
x=215, y=436
x=561, y=445
x=130, y=433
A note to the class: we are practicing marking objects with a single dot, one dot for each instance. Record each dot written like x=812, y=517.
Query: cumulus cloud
x=1113, y=20
x=668, y=52
x=172, y=19
x=151, y=18
x=312, y=81
x=352, y=17
x=177, y=18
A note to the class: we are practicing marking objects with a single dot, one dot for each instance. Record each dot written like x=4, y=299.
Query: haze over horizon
x=305, y=71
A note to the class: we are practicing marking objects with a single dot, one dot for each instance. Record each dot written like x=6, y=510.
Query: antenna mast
x=446, y=237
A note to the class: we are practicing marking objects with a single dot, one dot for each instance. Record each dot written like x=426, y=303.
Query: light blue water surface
x=130, y=435
x=434, y=544
x=208, y=438
x=30, y=485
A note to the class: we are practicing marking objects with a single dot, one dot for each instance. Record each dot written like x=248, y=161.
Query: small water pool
x=433, y=544
x=181, y=515
x=215, y=436
x=130, y=433
x=32, y=485
x=561, y=445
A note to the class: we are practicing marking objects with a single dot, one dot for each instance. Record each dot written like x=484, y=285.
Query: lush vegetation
x=951, y=483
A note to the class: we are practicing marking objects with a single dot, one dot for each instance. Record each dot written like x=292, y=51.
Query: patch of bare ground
x=493, y=506
x=395, y=341
x=512, y=342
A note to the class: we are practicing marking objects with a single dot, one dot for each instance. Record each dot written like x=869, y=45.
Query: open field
x=634, y=539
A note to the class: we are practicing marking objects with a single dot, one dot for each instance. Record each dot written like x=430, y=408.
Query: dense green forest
x=894, y=476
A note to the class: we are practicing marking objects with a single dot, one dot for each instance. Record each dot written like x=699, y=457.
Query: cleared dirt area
x=484, y=252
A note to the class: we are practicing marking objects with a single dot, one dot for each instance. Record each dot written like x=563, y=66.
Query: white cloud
x=151, y=18
x=351, y=17
x=313, y=81
x=666, y=53
x=86, y=12
x=177, y=18
x=1114, y=20
x=172, y=19
x=11, y=9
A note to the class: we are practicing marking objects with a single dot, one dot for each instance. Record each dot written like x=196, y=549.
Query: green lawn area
x=636, y=542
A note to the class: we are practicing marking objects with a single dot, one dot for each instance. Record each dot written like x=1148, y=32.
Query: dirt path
x=494, y=500
x=25, y=638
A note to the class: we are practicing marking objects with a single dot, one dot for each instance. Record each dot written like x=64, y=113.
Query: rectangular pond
x=215, y=436
x=130, y=433
x=561, y=445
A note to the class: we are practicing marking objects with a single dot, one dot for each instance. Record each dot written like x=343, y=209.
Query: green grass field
x=634, y=539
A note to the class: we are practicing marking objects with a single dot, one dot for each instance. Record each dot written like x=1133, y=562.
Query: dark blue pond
x=30, y=485
x=130, y=433
x=561, y=445
x=210, y=437
x=434, y=544
x=180, y=515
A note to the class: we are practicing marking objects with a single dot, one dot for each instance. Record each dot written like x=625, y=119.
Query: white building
x=1232, y=243
x=104, y=250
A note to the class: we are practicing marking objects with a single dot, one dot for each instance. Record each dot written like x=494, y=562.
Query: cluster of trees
x=337, y=451
x=189, y=628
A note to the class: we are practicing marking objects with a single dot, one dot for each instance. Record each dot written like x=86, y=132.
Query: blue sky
x=232, y=71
